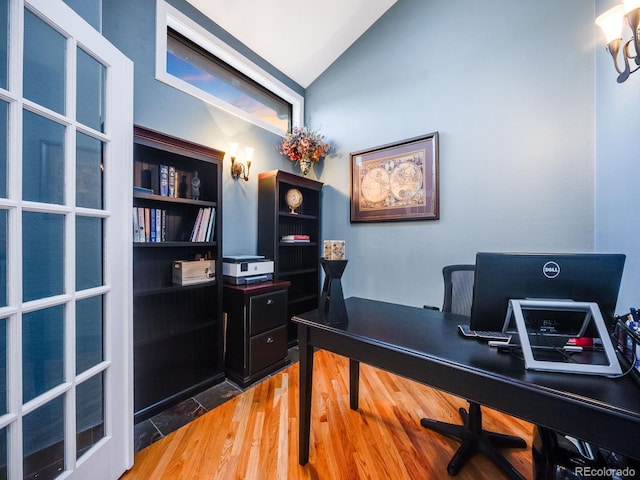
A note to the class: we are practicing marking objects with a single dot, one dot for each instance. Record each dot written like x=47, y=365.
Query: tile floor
x=156, y=427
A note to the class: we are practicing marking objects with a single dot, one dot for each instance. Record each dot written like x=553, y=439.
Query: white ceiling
x=301, y=38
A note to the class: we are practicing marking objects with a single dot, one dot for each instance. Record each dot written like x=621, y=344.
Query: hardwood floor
x=255, y=435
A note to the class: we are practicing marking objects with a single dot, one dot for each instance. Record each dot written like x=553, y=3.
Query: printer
x=246, y=269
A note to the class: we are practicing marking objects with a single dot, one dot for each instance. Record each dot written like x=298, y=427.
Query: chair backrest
x=458, y=288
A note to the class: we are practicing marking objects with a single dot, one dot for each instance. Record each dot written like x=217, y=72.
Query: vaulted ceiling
x=301, y=38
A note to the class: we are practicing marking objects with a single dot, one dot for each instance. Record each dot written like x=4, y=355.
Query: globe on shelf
x=294, y=199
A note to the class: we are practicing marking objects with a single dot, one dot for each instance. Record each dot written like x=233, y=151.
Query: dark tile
x=178, y=416
x=217, y=395
x=149, y=431
x=144, y=434
x=294, y=354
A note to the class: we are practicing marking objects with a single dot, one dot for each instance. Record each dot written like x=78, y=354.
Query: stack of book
x=149, y=224
x=165, y=180
x=204, y=226
x=297, y=238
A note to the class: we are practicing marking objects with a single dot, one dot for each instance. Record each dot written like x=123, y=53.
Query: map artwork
x=393, y=182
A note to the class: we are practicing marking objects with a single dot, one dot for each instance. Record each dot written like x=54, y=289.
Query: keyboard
x=483, y=334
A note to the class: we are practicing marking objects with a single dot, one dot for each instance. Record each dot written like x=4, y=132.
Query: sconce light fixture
x=238, y=170
x=612, y=22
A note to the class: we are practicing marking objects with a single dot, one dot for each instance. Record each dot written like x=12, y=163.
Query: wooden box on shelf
x=291, y=237
x=178, y=329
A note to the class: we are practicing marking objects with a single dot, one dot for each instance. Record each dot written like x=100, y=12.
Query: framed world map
x=396, y=182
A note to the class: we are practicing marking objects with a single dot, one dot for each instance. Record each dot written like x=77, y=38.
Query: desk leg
x=306, y=382
x=354, y=383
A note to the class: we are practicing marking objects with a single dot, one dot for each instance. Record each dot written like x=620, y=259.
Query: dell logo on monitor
x=551, y=269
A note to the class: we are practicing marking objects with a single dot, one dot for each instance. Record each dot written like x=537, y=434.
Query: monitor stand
x=592, y=314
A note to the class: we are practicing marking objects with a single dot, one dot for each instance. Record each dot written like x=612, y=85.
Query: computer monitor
x=500, y=277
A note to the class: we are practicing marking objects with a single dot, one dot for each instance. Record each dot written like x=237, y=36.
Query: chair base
x=475, y=440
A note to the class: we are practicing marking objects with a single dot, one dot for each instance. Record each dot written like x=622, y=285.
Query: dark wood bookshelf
x=296, y=262
x=178, y=329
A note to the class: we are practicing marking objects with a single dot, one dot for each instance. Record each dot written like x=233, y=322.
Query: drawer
x=267, y=311
x=267, y=348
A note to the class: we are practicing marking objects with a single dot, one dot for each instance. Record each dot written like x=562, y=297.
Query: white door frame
x=113, y=454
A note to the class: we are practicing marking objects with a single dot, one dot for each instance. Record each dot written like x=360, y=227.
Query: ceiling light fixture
x=612, y=22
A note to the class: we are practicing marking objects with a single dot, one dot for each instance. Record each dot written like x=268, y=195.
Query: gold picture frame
x=396, y=182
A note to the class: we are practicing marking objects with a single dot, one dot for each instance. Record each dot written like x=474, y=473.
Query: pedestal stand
x=331, y=298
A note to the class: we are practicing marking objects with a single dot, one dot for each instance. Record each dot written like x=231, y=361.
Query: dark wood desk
x=424, y=345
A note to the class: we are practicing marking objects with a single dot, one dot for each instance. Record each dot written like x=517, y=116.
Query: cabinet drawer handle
x=269, y=340
x=270, y=301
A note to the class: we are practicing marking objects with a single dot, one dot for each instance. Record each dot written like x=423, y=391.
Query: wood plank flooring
x=255, y=435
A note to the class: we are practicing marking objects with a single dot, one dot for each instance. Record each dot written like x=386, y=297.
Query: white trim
x=168, y=16
x=113, y=454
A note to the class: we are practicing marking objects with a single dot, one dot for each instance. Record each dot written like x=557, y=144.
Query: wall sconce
x=612, y=22
x=238, y=170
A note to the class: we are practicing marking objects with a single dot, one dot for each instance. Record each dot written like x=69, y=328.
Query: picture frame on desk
x=396, y=182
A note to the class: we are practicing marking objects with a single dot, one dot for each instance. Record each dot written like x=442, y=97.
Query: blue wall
x=510, y=88
x=617, y=167
x=89, y=10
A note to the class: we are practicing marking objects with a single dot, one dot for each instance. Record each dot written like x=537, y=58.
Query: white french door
x=66, y=389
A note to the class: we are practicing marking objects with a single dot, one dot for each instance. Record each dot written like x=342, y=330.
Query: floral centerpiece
x=304, y=146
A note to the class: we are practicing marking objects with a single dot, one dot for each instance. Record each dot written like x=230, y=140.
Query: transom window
x=196, y=66
x=193, y=60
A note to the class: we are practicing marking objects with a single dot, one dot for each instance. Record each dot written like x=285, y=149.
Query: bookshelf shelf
x=160, y=198
x=172, y=288
x=299, y=215
x=178, y=329
x=173, y=244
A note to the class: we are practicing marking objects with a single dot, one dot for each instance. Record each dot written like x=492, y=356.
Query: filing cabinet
x=256, y=330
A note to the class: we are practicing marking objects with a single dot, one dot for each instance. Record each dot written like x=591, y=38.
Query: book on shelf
x=152, y=225
x=171, y=191
x=141, y=224
x=164, y=180
x=163, y=227
x=296, y=238
x=158, y=225
x=212, y=222
x=147, y=225
x=138, y=229
x=203, y=227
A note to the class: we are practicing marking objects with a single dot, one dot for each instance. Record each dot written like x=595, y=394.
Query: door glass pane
x=4, y=42
x=42, y=255
x=4, y=111
x=89, y=413
x=3, y=368
x=42, y=160
x=89, y=171
x=44, y=61
x=90, y=93
x=3, y=258
x=42, y=355
x=88, y=252
x=3, y=454
x=43, y=431
x=89, y=351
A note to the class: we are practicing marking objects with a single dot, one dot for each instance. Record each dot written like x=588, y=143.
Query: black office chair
x=458, y=296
